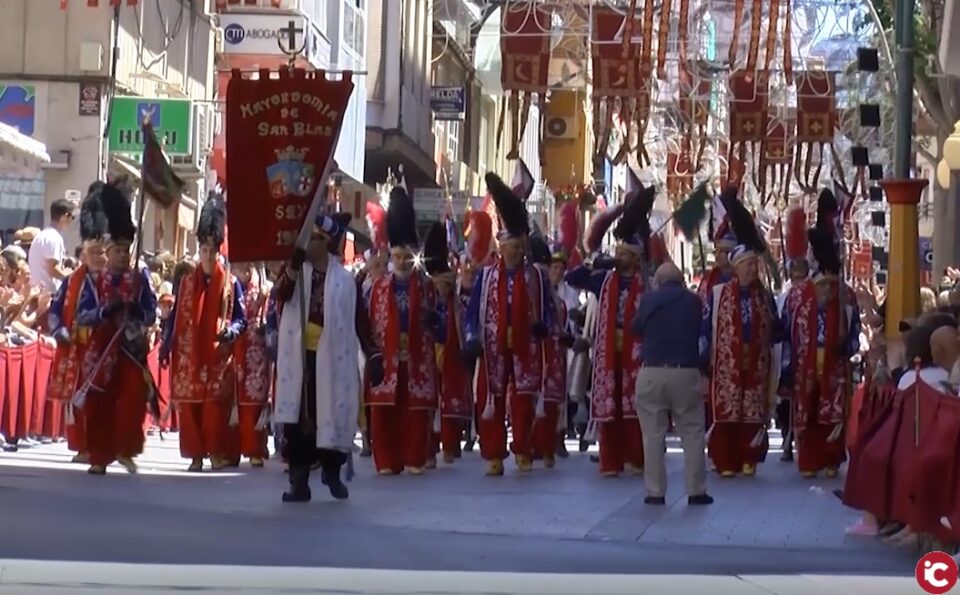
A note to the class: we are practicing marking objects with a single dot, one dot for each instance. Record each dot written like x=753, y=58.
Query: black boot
x=562, y=447
x=299, y=484
x=787, y=456
x=331, y=478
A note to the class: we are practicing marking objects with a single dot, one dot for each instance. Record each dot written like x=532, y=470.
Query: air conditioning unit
x=561, y=127
x=201, y=141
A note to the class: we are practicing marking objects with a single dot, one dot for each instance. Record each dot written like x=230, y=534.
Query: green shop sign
x=172, y=121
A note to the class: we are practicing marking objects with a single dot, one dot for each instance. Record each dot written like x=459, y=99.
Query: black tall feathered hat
x=401, y=220
x=823, y=239
x=540, y=251
x=633, y=228
x=514, y=221
x=115, y=199
x=436, y=254
x=749, y=242
x=94, y=225
x=213, y=220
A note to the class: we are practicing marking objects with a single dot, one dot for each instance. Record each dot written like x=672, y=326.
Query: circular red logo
x=936, y=573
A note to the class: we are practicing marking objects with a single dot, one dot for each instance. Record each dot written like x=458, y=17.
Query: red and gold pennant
x=525, y=51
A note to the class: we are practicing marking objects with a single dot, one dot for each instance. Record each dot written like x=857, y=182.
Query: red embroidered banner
x=862, y=260
x=679, y=170
x=694, y=98
x=616, y=66
x=816, y=106
x=748, y=106
x=281, y=133
x=778, y=145
x=525, y=47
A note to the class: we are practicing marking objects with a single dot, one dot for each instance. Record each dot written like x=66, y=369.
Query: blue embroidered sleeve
x=166, y=343
x=88, y=308
x=706, y=331
x=472, y=322
x=55, y=313
x=585, y=279
x=548, y=307
x=238, y=322
x=147, y=301
x=441, y=330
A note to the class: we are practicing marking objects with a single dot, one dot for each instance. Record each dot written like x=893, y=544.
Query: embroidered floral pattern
x=421, y=366
x=555, y=359
x=739, y=390
x=528, y=378
x=603, y=403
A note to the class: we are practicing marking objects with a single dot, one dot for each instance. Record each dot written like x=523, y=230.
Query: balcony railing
x=222, y=5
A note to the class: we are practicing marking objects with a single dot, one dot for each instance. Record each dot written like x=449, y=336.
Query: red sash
x=740, y=382
x=555, y=358
x=102, y=346
x=455, y=386
x=519, y=315
x=198, y=361
x=525, y=358
x=827, y=385
x=65, y=376
x=422, y=360
x=606, y=358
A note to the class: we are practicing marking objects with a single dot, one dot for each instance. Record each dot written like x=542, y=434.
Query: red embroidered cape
x=102, y=347
x=740, y=390
x=527, y=367
x=422, y=360
x=555, y=357
x=201, y=367
x=455, y=384
x=250, y=351
x=829, y=387
x=705, y=289
x=605, y=362
x=65, y=374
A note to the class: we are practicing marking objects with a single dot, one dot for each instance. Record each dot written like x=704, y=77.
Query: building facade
x=61, y=70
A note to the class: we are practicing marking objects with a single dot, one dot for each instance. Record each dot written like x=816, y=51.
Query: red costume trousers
x=114, y=417
x=252, y=442
x=399, y=433
x=77, y=431
x=545, y=430
x=621, y=440
x=203, y=429
x=814, y=453
x=448, y=440
x=493, y=432
x=730, y=445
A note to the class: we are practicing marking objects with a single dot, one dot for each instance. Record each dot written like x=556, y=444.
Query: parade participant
x=454, y=382
x=404, y=319
x=798, y=269
x=77, y=294
x=207, y=318
x=507, y=320
x=739, y=329
x=550, y=428
x=617, y=351
x=318, y=367
x=724, y=241
x=253, y=369
x=824, y=333
x=117, y=384
x=374, y=267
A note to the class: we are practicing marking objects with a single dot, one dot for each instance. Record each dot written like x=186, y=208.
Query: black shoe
x=468, y=445
x=594, y=458
x=299, y=485
x=655, y=500
x=699, y=500
x=839, y=494
x=787, y=456
x=584, y=445
x=562, y=449
x=338, y=489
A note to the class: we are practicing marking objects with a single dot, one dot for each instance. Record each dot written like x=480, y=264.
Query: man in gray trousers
x=668, y=319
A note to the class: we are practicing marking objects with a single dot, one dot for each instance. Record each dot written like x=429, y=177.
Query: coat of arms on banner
x=290, y=175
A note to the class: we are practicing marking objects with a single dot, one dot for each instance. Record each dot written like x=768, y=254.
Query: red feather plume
x=568, y=226
x=376, y=222
x=599, y=226
x=796, y=242
x=478, y=230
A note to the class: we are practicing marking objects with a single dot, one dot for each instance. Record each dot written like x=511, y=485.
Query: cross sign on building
x=291, y=31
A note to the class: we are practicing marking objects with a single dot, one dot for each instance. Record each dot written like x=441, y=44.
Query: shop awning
x=20, y=152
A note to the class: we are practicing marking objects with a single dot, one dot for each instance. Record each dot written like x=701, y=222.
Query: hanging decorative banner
x=281, y=133
x=777, y=159
x=525, y=52
x=749, y=111
x=816, y=122
x=679, y=171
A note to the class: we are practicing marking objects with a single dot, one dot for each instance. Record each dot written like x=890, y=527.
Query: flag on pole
x=158, y=178
x=634, y=185
x=523, y=182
